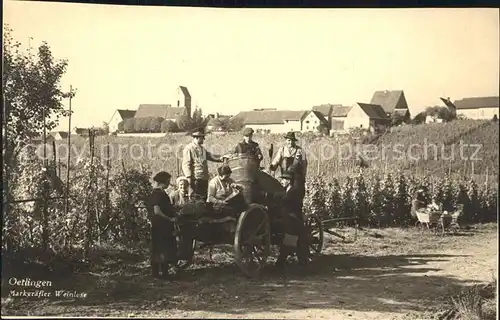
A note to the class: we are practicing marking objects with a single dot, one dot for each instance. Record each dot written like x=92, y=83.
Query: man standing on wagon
x=248, y=146
x=292, y=159
x=194, y=163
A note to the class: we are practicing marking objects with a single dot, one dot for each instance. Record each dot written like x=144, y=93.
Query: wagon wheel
x=315, y=234
x=252, y=240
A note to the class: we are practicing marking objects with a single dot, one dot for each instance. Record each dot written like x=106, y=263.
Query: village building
x=84, y=132
x=314, y=121
x=57, y=135
x=433, y=119
x=164, y=111
x=215, y=120
x=80, y=131
x=475, y=107
x=184, y=100
x=337, y=118
x=118, y=116
x=363, y=116
x=393, y=103
x=326, y=110
x=272, y=120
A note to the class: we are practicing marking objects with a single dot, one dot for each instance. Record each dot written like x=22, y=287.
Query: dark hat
x=287, y=175
x=162, y=177
x=199, y=132
x=224, y=170
x=291, y=135
x=247, y=132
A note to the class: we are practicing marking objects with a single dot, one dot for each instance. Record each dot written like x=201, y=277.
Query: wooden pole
x=319, y=162
x=45, y=224
x=66, y=207
x=486, y=181
x=54, y=156
x=44, y=140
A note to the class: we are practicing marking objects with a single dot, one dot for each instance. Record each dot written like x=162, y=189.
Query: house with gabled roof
x=326, y=110
x=272, y=121
x=164, y=111
x=475, y=107
x=118, y=116
x=367, y=116
x=337, y=118
x=314, y=121
x=393, y=103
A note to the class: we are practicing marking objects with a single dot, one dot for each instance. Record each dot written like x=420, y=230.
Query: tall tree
x=197, y=120
x=32, y=97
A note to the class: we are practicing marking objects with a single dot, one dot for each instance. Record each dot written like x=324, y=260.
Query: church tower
x=184, y=99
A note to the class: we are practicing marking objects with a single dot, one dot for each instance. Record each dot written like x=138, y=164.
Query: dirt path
x=384, y=274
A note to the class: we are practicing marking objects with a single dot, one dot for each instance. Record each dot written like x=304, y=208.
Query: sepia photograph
x=197, y=162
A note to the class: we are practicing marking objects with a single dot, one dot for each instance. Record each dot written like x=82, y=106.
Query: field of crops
x=436, y=149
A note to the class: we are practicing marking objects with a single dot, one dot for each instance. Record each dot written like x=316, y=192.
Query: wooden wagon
x=254, y=224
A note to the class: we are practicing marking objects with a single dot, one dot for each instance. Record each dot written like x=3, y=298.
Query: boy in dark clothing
x=248, y=146
x=163, y=240
x=293, y=223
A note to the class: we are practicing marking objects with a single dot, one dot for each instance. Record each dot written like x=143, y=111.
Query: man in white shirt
x=194, y=163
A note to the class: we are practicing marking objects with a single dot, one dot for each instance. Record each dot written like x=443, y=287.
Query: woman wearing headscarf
x=181, y=196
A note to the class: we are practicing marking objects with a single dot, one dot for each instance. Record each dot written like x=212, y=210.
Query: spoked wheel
x=252, y=240
x=314, y=232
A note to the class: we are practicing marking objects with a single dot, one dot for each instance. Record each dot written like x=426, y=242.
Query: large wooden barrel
x=245, y=169
x=246, y=172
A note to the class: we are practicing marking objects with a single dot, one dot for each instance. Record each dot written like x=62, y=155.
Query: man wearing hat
x=248, y=146
x=194, y=163
x=293, y=222
x=292, y=158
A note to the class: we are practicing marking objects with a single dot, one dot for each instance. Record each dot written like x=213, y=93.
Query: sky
x=240, y=59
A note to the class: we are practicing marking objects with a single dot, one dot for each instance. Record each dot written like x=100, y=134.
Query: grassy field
x=388, y=273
